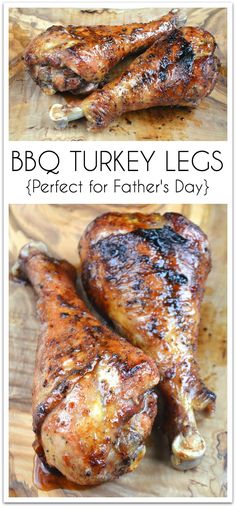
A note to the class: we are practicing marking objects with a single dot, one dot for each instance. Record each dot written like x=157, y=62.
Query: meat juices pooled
x=147, y=273
x=179, y=70
x=92, y=401
x=78, y=58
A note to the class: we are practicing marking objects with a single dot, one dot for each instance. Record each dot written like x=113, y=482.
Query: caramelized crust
x=179, y=70
x=92, y=401
x=77, y=58
x=146, y=273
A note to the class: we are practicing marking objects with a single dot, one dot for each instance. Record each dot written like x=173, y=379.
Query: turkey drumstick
x=78, y=58
x=146, y=273
x=92, y=401
x=179, y=70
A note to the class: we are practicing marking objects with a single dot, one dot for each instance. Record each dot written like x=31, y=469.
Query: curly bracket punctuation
x=57, y=187
x=35, y=186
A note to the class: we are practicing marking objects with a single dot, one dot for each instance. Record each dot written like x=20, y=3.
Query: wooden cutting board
x=29, y=120
x=60, y=226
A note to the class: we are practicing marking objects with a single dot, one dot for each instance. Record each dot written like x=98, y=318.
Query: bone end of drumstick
x=63, y=114
x=188, y=450
x=29, y=250
x=33, y=248
x=58, y=112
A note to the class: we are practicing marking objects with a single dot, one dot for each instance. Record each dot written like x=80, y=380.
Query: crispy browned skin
x=78, y=57
x=178, y=71
x=147, y=274
x=92, y=403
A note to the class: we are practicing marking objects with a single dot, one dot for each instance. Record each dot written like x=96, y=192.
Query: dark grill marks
x=154, y=328
x=171, y=275
x=184, y=55
x=117, y=252
x=123, y=367
x=137, y=285
x=117, y=248
x=162, y=75
x=46, y=406
x=108, y=39
x=73, y=50
x=112, y=249
x=148, y=76
x=164, y=239
x=120, y=253
x=172, y=37
x=64, y=315
x=59, y=392
x=66, y=304
x=163, y=68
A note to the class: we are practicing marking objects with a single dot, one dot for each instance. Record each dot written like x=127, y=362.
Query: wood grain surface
x=60, y=226
x=29, y=107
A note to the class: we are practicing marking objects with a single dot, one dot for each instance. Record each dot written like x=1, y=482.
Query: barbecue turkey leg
x=146, y=273
x=178, y=71
x=92, y=401
x=78, y=58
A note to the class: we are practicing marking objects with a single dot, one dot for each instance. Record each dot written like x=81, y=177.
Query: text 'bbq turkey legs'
x=78, y=58
x=178, y=71
x=146, y=273
x=92, y=403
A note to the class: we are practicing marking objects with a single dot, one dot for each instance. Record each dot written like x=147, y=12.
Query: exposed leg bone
x=63, y=114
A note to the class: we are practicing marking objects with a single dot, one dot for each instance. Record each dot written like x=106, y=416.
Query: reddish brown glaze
x=179, y=70
x=48, y=479
x=92, y=403
x=78, y=57
x=146, y=273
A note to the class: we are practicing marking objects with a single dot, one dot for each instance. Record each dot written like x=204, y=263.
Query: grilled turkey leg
x=77, y=58
x=146, y=273
x=178, y=71
x=92, y=404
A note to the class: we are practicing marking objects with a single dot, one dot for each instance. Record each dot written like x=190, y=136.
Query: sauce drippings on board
x=47, y=479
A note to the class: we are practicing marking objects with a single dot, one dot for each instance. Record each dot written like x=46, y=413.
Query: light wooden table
x=60, y=227
x=29, y=120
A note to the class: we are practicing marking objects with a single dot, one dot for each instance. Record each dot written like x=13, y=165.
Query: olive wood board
x=60, y=226
x=29, y=107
